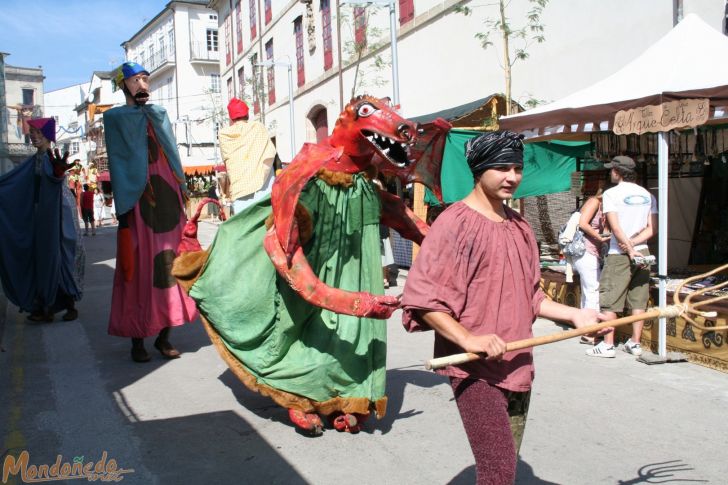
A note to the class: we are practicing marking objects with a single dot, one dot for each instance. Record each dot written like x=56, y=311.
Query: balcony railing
x=159, y=59
x=200, y=52
x=20, y=150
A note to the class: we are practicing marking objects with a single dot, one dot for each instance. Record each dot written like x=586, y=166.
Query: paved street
x=68, y=388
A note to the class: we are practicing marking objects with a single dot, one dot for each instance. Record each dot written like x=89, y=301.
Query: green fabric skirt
x=281, y=340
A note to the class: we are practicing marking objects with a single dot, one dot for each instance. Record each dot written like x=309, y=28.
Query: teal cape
x=125, y=129
x=302, y=356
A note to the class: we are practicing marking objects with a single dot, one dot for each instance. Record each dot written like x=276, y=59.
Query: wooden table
x=707, y=348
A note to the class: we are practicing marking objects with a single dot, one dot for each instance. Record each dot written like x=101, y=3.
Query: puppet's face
x=137, y=87
x=369, y=126
x=37, y=138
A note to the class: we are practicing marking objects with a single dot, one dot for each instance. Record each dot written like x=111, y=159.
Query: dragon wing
x=427, y=154
x=287, y=189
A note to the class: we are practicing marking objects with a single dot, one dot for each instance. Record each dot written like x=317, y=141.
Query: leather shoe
x=40, y=317
x=70, y=315
x=139, y=354
x=166, y=349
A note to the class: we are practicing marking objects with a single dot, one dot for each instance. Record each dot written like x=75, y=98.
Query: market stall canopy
x=687, y=63
x=479, y=113
x=547, y=167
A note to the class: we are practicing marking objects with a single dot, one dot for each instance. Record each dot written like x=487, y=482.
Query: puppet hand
x=376, y=306
x=60, y=163
x=125, y=252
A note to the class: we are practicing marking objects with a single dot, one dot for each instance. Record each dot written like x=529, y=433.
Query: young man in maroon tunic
x=476, y=283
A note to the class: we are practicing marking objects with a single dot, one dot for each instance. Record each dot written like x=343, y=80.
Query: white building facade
x=23, y=99
x=70, y=131
x=440, y=62
x=179, y=47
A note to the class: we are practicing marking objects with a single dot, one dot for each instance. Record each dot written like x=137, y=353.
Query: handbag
x=571, y=238
x=575, y=248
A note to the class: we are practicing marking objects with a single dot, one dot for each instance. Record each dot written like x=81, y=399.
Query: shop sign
x=683, y=113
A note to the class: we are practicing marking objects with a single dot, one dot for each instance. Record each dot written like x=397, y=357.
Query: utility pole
x=5, y=163
x=677, y=12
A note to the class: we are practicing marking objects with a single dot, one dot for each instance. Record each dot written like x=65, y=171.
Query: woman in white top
x=593, y=224
x=98, y=207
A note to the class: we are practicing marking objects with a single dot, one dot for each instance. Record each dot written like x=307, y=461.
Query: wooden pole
x=669, y=312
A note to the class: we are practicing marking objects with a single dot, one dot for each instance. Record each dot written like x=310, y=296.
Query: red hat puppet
x=237, y=109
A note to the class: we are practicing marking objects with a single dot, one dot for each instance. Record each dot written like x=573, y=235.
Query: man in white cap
x=631, y=213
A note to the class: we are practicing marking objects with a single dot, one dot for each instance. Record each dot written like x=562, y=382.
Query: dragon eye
x=365, y=110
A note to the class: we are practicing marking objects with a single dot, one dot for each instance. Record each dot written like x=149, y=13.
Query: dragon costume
x=290, y=290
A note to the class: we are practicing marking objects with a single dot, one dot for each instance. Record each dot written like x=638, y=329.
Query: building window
x=162, y=50
x=241, y=82
x=171, y=93
x=268, y=12
x=360, y=28
x=326, y=23
x=212, y=42
x=152, y=60
x=74, y=147
x=239, y=26
x=228, y=40
x=230, y=93
x=320, y=122
x=170, y=35
x=28, y=97
x=406, y=11
x=256, y=83
x=142, y=58
x=271, y=73
x=215, y=83
x=298, y=31
x=253, y=19
x=213, y=17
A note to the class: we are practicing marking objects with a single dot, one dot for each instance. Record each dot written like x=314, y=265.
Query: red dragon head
x=370, y=132
x=369, y=126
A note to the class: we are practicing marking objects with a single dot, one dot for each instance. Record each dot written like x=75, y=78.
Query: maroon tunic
x=486, y=275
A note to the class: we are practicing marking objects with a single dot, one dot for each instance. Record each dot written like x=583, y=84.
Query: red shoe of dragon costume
x=309, y=330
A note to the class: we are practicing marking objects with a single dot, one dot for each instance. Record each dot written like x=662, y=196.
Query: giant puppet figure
x=41, y=254
x=291, y=290
x=149, y=190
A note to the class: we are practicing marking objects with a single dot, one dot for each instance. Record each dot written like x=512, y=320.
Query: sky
x=71, y=39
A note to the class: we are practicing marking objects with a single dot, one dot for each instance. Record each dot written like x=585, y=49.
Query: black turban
x=494, y=149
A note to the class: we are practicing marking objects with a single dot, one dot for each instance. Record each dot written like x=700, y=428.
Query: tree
x=516, y=41
x=373, y=40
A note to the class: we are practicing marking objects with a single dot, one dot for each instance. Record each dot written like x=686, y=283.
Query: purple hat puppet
x=47, y=126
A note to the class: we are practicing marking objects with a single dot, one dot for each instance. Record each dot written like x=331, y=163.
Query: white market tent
x=688, y=62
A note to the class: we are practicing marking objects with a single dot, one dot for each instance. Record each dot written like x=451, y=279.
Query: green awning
x=547, y=167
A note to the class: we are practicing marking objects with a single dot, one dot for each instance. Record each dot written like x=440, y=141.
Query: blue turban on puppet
x=125, y=71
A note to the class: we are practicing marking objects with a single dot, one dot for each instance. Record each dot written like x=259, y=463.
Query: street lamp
x=392, y=36
x=287, y=64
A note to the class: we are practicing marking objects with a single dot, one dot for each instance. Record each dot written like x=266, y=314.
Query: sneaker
x=601, y=350
x=632, y=348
